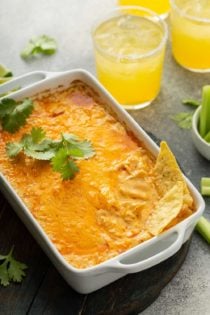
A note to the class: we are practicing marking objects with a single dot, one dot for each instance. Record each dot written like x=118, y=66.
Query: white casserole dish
x=141, y=257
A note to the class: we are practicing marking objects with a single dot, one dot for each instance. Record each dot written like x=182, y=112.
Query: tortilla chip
x=168, y=173
x=166, y=210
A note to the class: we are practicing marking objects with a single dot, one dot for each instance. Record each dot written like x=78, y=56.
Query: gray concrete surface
x=69, y=21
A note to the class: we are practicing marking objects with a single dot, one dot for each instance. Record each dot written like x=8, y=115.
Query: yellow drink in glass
x=161, y=7
x=190, y=28
x=129, y=54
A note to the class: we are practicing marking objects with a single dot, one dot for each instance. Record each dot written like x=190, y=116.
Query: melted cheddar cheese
x=102, y=211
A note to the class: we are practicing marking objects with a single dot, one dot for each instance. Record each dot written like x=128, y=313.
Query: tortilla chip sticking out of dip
x=168, y=173
x=166, y=210
x=175, y=197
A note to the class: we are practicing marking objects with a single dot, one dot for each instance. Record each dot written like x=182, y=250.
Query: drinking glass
x=190, y=29
x=161, y=7
x=129, y=46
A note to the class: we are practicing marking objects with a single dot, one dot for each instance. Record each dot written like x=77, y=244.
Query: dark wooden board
x=44, y=291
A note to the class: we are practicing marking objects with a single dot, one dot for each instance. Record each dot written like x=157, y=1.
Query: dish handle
x=23, y=81
x=146, y=255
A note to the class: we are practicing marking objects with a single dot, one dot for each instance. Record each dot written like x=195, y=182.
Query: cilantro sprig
x=39, y=45
x=11, y=269
x=64, y=164
x=13, y=115
x=33, y=145
x=61, y=153
x=183, y=120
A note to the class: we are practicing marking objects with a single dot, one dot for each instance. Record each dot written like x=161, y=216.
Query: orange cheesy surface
x=101, y=212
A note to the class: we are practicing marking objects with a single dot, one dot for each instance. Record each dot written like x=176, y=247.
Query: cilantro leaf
x=191, y=102
x=14, y=115
x=39, y=45
x=183, y=120
x=39, y=155
x=4, y=277
x=37, y=134
x=77, y=149
x=16, y=270
x=7, y=105
x=13, y=148
x=63, y=164
x=33, y=145
x=11, y=269
x=86, y=148
x=61, y=153
x=69, y=137
x=36, y=146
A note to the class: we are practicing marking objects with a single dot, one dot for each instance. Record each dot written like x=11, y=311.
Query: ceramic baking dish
x=141, y=257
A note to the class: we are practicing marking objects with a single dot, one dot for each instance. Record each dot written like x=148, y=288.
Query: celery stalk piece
x=205, y=186
x=205, y=181
x=203, y=227
x=205, y=190
x=207, y=137
x=204, y=126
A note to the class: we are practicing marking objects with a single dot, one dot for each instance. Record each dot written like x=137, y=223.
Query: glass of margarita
x=190, y=28
x=161, y=7
x=129, y=53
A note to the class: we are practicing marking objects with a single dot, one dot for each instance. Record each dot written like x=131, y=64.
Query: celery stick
x=203, y=227
x=207, y=137
x=205, y=190
x=205, y=181
x=205, y=186
x=204, y=126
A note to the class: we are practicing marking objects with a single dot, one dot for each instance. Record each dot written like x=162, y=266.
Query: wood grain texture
x=16, y=298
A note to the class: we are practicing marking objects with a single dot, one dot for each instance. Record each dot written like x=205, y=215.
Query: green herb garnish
x=191, y=102
x=11, y=269
x=39, y=45
x=64, y=164
x=183, y=120
x=61, y=153
x=33, y=145
x=13, y=115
